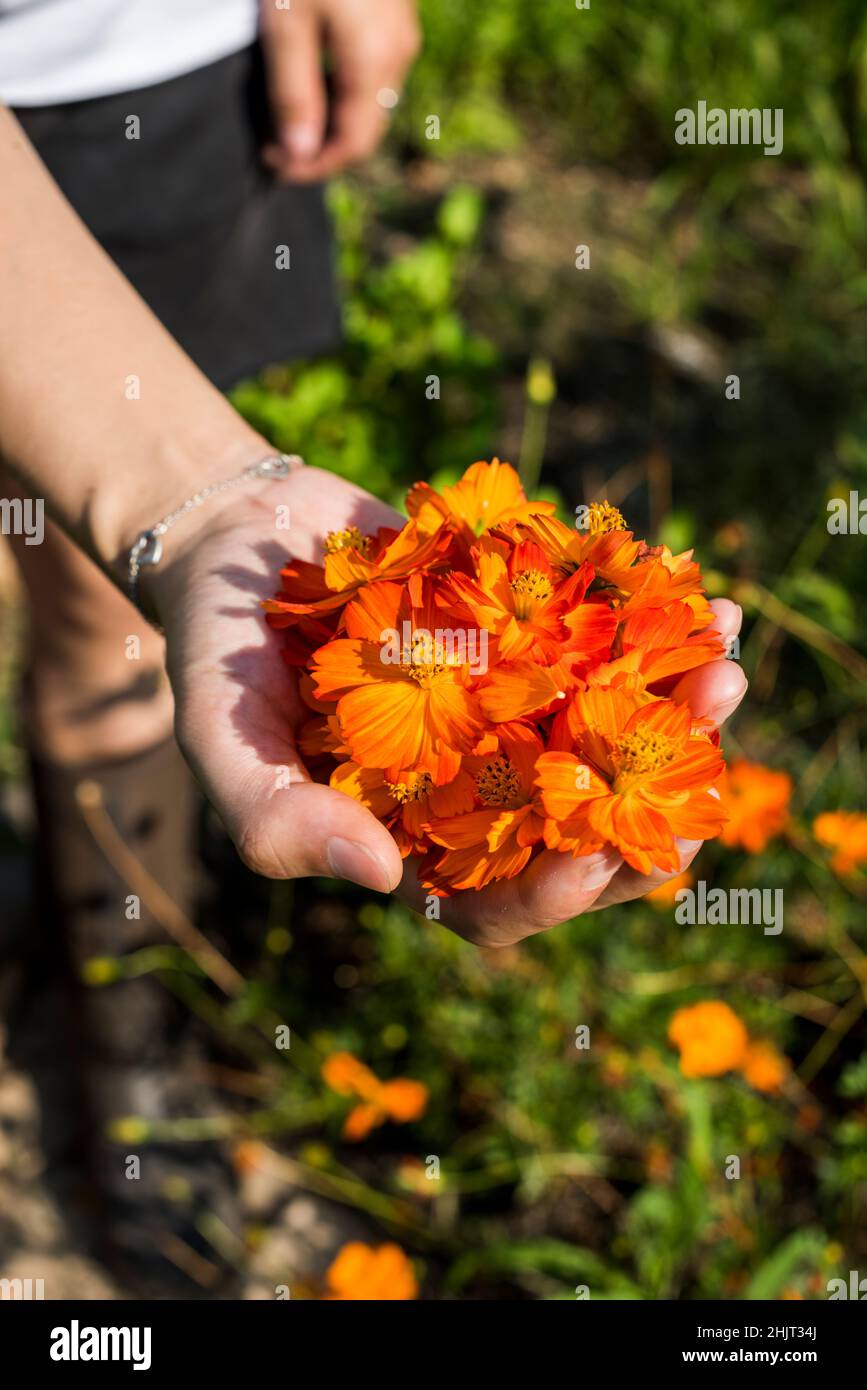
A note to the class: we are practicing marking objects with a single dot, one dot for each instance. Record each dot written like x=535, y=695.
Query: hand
x=236, y=701
x=371, y=43
x=237, y=707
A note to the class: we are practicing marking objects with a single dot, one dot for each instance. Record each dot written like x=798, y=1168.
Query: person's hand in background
x=370, y=43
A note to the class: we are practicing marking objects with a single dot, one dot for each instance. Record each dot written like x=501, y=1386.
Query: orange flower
x=524, y=688
x=756, y=800
x=495, y=840
x=487, y=494
x=764, y=1067
x=660, y=578
x=604, y=542
x=710, y=1037
x=371, y=1273
x=401, y=1100
x=352, y=561
x=654, y=648
x=407, y=804
x=416, y=711
x=517, y=596
x=637, y=780
x=846, y=833
x=666, y=894
x=662, y=643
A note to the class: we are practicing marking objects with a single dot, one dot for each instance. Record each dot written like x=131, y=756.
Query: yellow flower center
x=418, y=786
x=530, y=587
x=498, y=783
x=348, y=539
x=641, y=752
x=425, y=660
x=602, y=517
x=423, y=675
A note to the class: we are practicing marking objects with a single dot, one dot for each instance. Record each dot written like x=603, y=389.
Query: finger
x=552, y=889
x=282, y=824
x=369, y=67
x=716, y=690
x=627, y=884
x=713, y=691
x=728, y=617
x=308, y=829
x=237, y=702
x=358, y=124
x=296, y=88
x=370, y=63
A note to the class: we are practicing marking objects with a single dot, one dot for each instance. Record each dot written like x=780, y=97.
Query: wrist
x=176, y=469
x=215, y=506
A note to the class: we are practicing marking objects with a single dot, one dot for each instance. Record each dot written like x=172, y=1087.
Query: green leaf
x=548, y=1256
x=803, y=1248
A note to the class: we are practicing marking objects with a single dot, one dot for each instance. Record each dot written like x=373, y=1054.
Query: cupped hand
x=237, y=705
x=237, y=708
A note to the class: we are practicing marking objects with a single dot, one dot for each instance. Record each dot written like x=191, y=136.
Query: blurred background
x=532, y=1165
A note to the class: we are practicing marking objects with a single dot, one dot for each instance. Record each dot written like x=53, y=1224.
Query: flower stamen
x=498, y=783
x=350, y=538
x=639, y=753
x=424, y=659
x=418, y=786
x=602, y=517
x=530, y=587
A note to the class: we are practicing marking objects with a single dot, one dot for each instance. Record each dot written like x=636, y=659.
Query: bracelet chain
x=147, y=549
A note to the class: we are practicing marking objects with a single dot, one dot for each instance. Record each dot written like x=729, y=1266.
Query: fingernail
x=599, y=869
x=688, y=849
x=719, y=713
x=302, y=141
x=348, y=859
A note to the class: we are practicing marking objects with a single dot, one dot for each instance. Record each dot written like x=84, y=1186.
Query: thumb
x=283, y=825
x=308, y=829
x=238, y=743
x=295, y=84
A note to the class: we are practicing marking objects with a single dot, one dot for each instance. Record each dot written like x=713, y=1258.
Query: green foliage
x=603, y=85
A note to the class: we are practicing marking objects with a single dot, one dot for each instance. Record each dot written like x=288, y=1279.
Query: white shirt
x=54, y=51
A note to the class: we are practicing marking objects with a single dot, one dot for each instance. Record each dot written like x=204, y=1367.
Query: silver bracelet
x=147, y=549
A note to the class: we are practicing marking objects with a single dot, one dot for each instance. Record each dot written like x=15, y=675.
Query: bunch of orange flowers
x=712, y=1040
x=490, y=681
